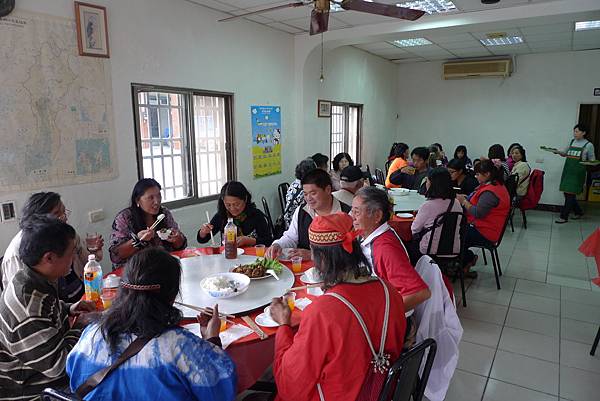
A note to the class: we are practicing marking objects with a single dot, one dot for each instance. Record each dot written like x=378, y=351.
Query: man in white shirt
x=351, y=180
x=316, y=185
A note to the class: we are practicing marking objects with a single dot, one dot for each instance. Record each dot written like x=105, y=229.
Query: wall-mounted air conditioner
x=477, y=69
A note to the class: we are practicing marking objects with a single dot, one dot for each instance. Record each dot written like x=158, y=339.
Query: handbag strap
x=440, y=222
x=381, y=361
x=97, y=378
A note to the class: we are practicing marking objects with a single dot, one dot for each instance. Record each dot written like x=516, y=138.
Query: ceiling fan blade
x=319, y=21
x=264, y=10
x=388, y=10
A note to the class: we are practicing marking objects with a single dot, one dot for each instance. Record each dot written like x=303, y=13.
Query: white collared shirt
x=365, y=244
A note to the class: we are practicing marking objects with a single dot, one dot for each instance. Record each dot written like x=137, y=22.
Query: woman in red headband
x=331, y=357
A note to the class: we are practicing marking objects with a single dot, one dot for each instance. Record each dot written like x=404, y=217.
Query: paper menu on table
x=228, y=336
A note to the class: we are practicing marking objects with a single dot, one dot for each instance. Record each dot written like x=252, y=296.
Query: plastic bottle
x=92, y=279
x=230, y=240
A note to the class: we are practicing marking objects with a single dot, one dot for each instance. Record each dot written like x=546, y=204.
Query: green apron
x=574, y=173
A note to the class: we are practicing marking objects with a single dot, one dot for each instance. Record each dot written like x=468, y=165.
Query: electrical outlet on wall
x=8, y=211
x=96, y=215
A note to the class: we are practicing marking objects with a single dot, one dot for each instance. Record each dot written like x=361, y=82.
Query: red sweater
x=330, y=347
x=491, y=225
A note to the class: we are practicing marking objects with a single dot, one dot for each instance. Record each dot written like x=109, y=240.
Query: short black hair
x=458, y=165
x=422, y=152
x=440, y=184
x=304, y=167
x=512, y=145
x=42, y=234
x=317, y=177
x=522, y=150
x=335, y=264
x=488, y=166
x=398, y=149
x=439, y=146
x=581, y=127
x=320, y=159
x=39, y=203
x=338, y=158
x=496, y=151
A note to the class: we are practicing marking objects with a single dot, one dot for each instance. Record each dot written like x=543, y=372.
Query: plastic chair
x=268, y=216
x=403, y=380
x=282, y=191
x=444, y=255
x=493, y=248
x=50, y=394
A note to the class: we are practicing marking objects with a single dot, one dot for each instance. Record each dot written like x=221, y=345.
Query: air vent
x=477, y=69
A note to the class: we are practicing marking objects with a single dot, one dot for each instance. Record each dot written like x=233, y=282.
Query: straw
x=303, y=287
x=212, y=238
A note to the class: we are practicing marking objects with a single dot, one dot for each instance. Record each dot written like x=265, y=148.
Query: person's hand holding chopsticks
x=209, y=325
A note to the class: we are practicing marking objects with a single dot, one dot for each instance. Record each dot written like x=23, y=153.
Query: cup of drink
x=260, y=250
x=107, y=298
x=91, y=241
x=297, y=264
x=223, y=326
x=290, y=298
x=215, y=250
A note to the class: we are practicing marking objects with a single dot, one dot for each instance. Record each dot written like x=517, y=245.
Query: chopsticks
x=261, y=334
x=206, y=311
x=303, y=287
x=157, y=222
x=212, y=238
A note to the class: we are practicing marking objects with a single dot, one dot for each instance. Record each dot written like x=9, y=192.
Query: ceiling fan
x=319, y=17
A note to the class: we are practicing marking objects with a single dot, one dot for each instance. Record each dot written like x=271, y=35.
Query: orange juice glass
x=260, y=250
x=297, y=264
x=290, y=298
x=223, y=326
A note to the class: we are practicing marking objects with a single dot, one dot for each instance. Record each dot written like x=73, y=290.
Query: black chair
x=372, y=181
x=282, y=191
x=511, y=186
x=493, y=248
x=1, y=286
x=450, y=262
x=268, y=216
x=403, y=380
x=50, y=394
x=380, y=176
x=595, y=345
x=387, y=166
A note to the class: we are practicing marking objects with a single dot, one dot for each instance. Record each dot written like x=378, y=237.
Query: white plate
x=242, y=281
x=265, y=321
x=405, y=215
x=306, y=280
x=253, y=278
x=241, y=251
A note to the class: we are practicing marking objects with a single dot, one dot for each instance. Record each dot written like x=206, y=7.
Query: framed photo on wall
x=92, y=30
x=324, y=108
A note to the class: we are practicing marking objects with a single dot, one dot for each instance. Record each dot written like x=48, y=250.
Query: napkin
x=228, y=336
x=302, y=303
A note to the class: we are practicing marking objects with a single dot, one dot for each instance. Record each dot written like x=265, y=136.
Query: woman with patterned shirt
x=131, y=228
x=295, y=195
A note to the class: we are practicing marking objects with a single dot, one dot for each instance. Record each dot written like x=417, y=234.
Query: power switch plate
x=96, y=215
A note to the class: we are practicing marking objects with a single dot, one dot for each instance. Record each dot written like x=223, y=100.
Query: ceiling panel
x=591, y=35
x=473, y=52
x=461, y=45
x=586, y=45
x=252, y=3
x=289, y=13
x=512, y=49
x=550, y=44
x=357, y=18
x=509, y=32
x=476, y=5
x=376, y=46
x=286, y=28
x=550, y=28
x=390, y=52
x=561, y=36
x=449, y=38
x=409, y=60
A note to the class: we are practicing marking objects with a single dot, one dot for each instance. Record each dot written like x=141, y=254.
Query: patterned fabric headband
x=334, y=229
x=138, y=287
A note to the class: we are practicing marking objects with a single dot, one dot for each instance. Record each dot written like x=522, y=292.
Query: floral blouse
x=122, y=228
x=293, y=198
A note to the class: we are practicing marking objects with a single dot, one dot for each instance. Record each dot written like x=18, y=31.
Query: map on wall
x=56, y=121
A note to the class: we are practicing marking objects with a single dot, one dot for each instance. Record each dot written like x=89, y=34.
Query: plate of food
x=257, y=270
x=164, y=233
x=225, y=285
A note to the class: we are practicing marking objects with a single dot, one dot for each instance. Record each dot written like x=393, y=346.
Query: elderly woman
x=295, y=195
x=173, y=363
x=329, y=357
x=70, y=287
x=371, y=210
x=131, y=229
x=235, y=202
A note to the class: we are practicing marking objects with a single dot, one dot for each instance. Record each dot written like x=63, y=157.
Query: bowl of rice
x=225, y=285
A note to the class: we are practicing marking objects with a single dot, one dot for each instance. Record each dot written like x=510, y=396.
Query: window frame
x=346, y=133
x=188, y=142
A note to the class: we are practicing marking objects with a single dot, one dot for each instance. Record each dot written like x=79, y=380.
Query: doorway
x=589, y=115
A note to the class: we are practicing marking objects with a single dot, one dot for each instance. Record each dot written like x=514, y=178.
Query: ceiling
x=539, y=36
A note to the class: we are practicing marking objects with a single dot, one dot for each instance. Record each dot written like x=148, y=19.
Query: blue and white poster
x=266, y=140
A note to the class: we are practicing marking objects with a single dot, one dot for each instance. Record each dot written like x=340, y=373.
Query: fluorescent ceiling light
x=587, y=25
x=504, y=41
x=429, y=6
x=411, y=42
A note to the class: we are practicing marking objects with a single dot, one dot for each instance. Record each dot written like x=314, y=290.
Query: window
x=346, y=121
x=184, y=141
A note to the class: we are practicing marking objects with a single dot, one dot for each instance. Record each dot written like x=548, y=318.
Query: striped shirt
x=35, y=337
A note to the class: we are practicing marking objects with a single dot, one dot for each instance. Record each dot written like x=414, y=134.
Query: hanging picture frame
x=92, y=30
x=324, y=108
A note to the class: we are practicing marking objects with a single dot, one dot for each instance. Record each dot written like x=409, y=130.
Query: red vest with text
x=491, y=225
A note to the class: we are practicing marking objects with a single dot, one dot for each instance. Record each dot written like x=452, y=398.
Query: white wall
x=354, y=76
x=537, y=105
x=180, y=44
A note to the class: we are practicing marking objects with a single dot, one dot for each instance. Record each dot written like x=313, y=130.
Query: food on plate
x=221, y=284
x=259, y=268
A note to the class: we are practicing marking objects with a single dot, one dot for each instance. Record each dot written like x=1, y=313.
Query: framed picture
x=92, y=30
x=596, y=91
x=324, y=108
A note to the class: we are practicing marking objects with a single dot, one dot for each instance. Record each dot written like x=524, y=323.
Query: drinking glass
x=260, y=250
x=223, y=326
x=91, y=241
x=297, y=264
x=290, y=298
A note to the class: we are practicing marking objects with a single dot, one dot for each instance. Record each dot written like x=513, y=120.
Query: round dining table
x=251, y=355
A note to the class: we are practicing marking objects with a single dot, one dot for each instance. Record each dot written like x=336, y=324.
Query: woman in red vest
x=487, y=209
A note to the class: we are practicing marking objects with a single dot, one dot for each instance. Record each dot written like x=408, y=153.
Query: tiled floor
x=531, y=339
